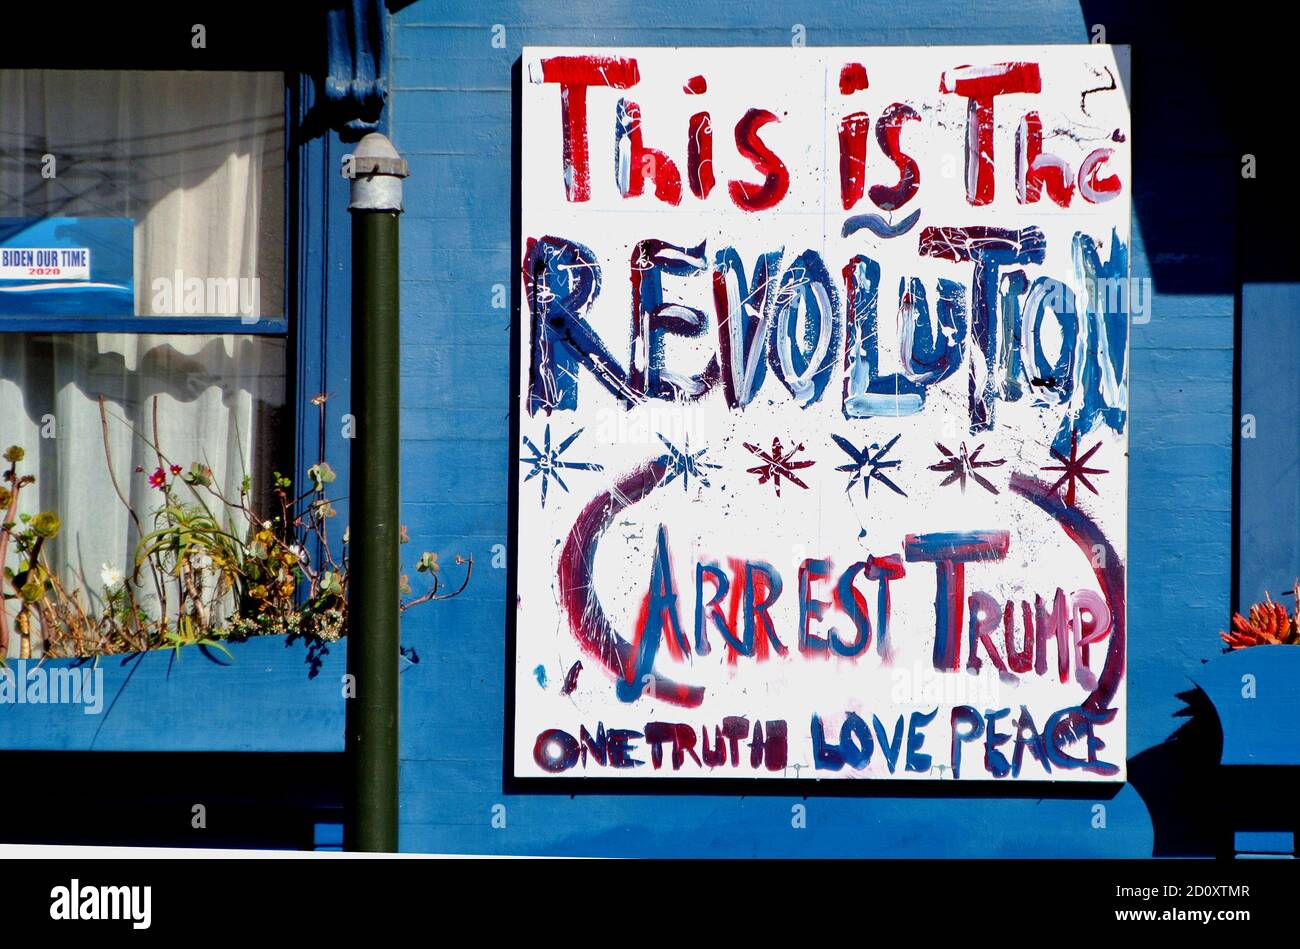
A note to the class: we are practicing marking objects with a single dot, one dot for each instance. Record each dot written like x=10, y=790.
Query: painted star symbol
x=778, y=465
x=546, y=461
x=868, y=463
x=1075, y=469
x=685, y=463
x=962, y=465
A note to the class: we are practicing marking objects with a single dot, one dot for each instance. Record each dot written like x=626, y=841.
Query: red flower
x=175, y=469
x=157, y=479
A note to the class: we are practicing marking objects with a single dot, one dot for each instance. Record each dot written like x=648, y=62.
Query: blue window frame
x=319, y=288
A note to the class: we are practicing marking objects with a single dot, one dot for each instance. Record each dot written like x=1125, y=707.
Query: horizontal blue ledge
x=176, y=325
x=1264, y=842
x=1258, y=714
x=272, y=696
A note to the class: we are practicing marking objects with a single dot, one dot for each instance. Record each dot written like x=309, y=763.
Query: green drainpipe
x=376, y=172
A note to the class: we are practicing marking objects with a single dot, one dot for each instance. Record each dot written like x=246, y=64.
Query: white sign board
x=823, y=407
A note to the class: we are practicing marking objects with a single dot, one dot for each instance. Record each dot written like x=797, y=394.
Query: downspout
x=376, y=172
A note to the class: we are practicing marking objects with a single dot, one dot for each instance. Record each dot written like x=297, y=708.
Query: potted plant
x=1255, y=685
x=257, y=596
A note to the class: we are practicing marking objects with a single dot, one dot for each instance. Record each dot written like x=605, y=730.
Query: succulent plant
x=1269, y=624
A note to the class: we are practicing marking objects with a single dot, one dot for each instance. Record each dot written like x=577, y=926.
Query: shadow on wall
x=1181, y=784
x=1203, y=86
x=1185, y=106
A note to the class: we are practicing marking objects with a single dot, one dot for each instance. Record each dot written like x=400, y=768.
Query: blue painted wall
x=456, y=237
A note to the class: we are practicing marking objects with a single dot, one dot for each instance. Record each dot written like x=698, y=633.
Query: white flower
x=200, y=561
x=110, y=576
x=298, y=552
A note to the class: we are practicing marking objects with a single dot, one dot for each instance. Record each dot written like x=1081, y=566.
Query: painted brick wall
x=450, y=116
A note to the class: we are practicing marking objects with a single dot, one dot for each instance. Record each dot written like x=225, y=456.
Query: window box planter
x=1257, y=714
x=269, y=695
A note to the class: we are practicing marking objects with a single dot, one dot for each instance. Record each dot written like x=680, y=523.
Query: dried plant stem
x=196, y=597
x=24, y=635
x=433, y=594
x=4, y=549
x=70, y=607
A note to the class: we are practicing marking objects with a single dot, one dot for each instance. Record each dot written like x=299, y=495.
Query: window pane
x=217, y=401
x=195, y=159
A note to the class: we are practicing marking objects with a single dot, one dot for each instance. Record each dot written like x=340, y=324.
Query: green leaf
x=209, y=641
x=321, y=475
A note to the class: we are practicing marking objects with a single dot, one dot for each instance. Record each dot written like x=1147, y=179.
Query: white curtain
x=196, y=159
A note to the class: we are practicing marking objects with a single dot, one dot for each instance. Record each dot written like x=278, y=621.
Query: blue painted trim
x=1281, y=842
x=356, y=85
x=320, y=297
x=171, y=325
x=327, y=835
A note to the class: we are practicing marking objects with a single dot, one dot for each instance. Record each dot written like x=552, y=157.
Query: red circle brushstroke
x=1085, y=532
x=587, y=619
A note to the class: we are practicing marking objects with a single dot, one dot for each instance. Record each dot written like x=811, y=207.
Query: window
x=172, y=183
